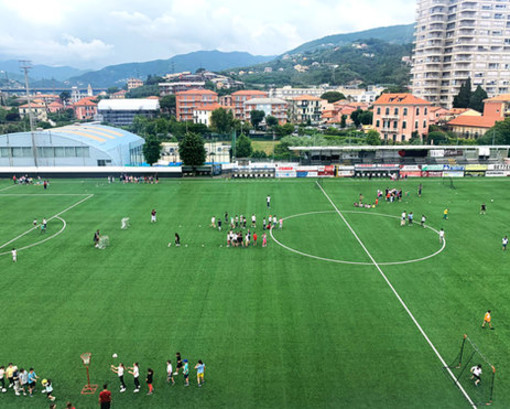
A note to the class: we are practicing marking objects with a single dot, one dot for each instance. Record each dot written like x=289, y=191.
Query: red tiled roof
x=249, y=92
x=36, y=105
x=474, y=121
x=85, y=102
x=210, y=107
x=306, y=98
x=400, y=99
x=196, y=92
x=499, y=98
x=56, y=104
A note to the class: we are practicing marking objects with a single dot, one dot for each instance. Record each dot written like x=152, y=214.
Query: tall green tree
x=192, y=150
x=477, y=98
x=462, y=99
x=65, y=96
x=167, y=103
x=222, y=121
x=243, y=147
x=256, y=117
x=271, y=121
x=332, y=96
x=343, y=121
x=152, y=150
x=373, y=137
x=499, y=134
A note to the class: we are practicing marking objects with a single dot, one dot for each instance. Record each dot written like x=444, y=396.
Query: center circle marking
x=356, y=263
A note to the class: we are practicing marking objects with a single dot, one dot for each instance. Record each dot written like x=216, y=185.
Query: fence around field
x=264, y=170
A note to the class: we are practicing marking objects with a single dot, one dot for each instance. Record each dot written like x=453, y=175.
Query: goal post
x=104, y=242
x=469, y=357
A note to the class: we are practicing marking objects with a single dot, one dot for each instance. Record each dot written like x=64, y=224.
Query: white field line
x=7, y=188
x=355, y=263
x=406, y=308
x=42, y=194
x=51, y=218
x=42, y=241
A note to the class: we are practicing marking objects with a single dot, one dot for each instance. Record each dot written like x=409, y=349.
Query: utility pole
x=25, y=66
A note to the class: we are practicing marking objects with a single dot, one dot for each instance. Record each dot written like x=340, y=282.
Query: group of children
x=180, y=365
x=23, y=382
x=123, y=178
x=245, y=239
x=35, y=223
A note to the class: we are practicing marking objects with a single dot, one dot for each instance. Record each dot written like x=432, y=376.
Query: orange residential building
x=55, y=107
x=332, y=113
x=239, y=98
x=85, y=109
x=472, y=127
x=497, y=107
x=398, y=116
x=186, y=102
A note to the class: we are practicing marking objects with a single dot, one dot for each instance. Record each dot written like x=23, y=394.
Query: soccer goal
x=104, y=242
x=464, y=368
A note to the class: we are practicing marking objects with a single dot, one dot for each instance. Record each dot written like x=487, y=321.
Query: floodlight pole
x=25, y=66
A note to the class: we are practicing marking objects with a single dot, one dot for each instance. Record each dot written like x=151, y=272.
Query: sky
x=96, y=33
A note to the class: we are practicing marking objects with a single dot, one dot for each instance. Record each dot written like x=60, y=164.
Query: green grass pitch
x=276, y=329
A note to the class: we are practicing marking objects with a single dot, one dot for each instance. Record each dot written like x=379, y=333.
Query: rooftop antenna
x=25, y=65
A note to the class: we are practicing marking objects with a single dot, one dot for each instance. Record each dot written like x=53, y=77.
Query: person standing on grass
x=441, y=236
x=44, y=225
x=153, y=216
x=23, y=378
x=219, y=224
x=32, y=379
x=178, y=361
x=419, y=190
x=185, y=372
x=14, y=253
x=423, y=220
x=253, y=221
x=177, y=240
x=135, y=371
x=226, y=217
x=504, y=242
x=2, y=378
x=483, y=208
x=487, y=320
x=403, y=218
x=70, y=406
x=48, y=390
x=255, y=239
x=264, y=240
x=169, y=372
x=200, y=367
x=213, y=222
x=8, y=372
x=119, y=370
x=105, y=398
x=97, y=236
x=264, y=223
x=476, y=372
x=268, y=201
x=45, y=184
x=149, y=380
x=410, y=217
x=445, y=214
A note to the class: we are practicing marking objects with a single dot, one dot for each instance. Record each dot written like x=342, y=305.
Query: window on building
x=404, y=124
x=395, y=124
x=424, y=124
x=394, y=138
x=395, y=111
x=385, y=136
x=416, y=125
x=405, y=111
x=426, y=111
x=387, y=111
x=403, y=138
x=417, y=111
x=377, y=123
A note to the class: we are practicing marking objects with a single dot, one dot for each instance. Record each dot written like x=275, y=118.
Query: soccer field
x=317, y=319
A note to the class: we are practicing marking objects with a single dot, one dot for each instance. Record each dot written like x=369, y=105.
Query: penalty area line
x=406, y=308
x=51, y=218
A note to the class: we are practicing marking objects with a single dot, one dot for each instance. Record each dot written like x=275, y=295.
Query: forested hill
x=371, y=61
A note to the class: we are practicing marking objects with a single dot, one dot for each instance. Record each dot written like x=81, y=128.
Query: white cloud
x=99, y=32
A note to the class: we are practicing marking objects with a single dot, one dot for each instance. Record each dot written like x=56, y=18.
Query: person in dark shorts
x=177, y=240
x=105, y=398
x=178, y=365
x=483, y=208
x=150, y=378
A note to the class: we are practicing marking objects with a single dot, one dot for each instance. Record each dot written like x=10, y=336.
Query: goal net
x=124, y=223
x=463, y=367
x=104, y=242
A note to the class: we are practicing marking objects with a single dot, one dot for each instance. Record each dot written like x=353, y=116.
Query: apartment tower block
x=458, y=39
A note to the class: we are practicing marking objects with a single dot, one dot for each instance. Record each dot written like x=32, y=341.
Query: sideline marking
x=400, y=300
x=51, y=218
x=42, y=194
x=8, y=187
x=356, y=263
x=42, y=241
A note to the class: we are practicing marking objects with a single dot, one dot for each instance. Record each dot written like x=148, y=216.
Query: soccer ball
x=492, y=200
x=4, y=390
x=114, y=356
x=44, y=381
x=169, y=244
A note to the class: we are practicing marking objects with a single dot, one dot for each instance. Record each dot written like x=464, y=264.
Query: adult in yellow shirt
x=9, y=372
x=445, y=214
x=487, y=320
